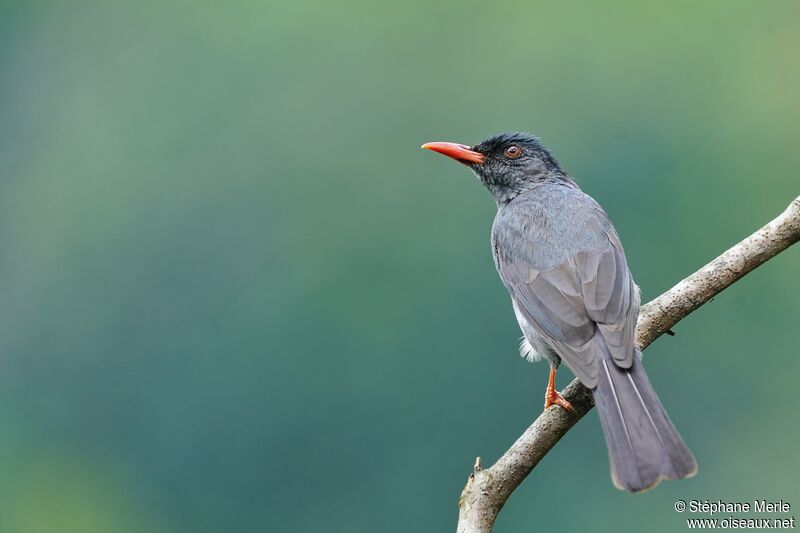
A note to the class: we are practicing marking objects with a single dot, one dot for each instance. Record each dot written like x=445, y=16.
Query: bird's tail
x=643, y=445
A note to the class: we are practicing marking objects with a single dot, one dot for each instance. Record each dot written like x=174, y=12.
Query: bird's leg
x=552, y=396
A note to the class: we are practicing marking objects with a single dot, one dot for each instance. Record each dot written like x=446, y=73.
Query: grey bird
x=574, y=297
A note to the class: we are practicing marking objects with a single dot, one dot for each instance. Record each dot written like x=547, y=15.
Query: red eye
x=513, y=152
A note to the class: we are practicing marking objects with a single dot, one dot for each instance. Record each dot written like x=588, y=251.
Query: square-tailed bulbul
x=574, y=297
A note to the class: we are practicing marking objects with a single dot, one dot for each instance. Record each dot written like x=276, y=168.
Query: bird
x=574, y=297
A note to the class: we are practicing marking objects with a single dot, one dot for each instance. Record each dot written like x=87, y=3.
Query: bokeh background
x=235, y=295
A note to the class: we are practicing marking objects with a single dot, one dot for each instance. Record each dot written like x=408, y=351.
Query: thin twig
x=487, y=490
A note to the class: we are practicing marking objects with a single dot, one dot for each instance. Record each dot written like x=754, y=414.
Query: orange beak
x=459, y=152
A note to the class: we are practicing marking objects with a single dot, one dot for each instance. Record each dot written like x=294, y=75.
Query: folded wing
x=586, y=307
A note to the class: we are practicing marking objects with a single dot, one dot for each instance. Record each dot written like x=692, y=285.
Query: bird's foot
x=553, y=397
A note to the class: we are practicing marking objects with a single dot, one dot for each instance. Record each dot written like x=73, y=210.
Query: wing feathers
x=589, y=292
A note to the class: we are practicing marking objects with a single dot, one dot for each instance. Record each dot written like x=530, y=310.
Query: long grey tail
x=643, y=445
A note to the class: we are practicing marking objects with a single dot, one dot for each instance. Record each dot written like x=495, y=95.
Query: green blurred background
x=237, y=296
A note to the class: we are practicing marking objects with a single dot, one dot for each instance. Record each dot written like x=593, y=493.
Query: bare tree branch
x=488, y=489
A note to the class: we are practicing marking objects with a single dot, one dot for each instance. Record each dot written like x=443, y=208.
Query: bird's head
x=507, y=163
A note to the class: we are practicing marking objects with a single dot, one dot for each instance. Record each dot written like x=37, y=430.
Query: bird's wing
x=590, y=292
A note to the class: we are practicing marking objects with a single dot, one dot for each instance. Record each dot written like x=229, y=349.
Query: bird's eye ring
x=512, y=152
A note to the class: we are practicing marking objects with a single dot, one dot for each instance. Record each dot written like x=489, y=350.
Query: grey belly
x=533, y=346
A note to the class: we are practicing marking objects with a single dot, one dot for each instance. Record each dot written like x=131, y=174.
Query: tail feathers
x=643, y=445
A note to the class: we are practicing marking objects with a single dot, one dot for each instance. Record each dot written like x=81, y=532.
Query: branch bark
x=487, y=490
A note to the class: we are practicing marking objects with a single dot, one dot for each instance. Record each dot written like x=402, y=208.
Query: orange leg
x=552, y=396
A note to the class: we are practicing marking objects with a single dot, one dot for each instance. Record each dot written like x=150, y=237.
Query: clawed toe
x=554, y=398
